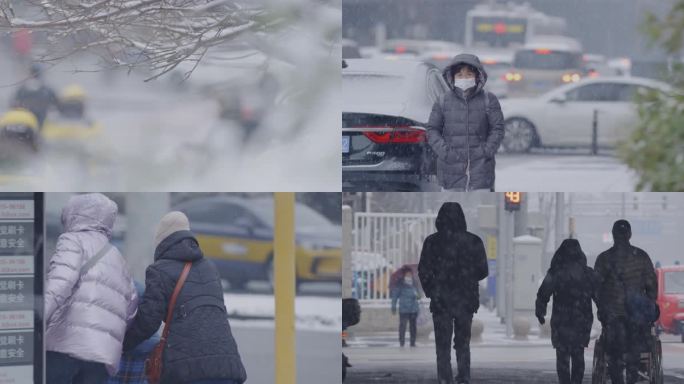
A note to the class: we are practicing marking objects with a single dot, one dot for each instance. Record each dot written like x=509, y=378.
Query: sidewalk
x=311, y=313
x=494, y=334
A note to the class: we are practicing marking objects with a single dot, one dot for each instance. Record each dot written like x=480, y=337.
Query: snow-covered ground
x=562, y=172
x=494, y=334
x=312, y=313
x=377, y=358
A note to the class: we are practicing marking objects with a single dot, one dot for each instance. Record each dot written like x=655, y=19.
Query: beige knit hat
x=171, y=222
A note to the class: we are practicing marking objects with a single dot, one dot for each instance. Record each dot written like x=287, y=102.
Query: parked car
x=671, y=300
x=563, y=117
x=385, y=108
x=237, y=234
x=544, y=64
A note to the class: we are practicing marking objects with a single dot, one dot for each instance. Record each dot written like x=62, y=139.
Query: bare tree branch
x=159, y=34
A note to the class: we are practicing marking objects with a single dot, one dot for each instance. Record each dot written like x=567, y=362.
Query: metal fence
x=383, y=243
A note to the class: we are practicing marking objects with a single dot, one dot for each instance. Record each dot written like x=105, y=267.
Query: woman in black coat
x=200, y=346
x=573, y=285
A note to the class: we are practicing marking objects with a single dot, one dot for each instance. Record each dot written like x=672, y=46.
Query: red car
x=671, y=300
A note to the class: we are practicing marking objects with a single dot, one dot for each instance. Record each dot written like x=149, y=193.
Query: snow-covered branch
x=157, y=33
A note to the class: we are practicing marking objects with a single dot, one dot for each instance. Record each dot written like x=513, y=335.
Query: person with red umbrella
x=405, y=292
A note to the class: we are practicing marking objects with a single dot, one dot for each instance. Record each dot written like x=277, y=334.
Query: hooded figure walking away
x=200, y=346
x=627, y=297
x=466, y=128
x=452, y=263
x=89, y=295
x=573, y=285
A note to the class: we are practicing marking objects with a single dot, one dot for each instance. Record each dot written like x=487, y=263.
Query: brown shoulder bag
x=153, y=364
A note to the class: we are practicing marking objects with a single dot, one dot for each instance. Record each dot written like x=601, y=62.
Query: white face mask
x=408, y=280
x=464, y=84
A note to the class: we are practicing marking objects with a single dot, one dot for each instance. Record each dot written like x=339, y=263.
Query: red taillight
x=399, y=135
x=542, y=51
x=400, y=49
x=500, y=28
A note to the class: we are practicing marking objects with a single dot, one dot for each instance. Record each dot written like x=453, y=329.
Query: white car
x=563, y=117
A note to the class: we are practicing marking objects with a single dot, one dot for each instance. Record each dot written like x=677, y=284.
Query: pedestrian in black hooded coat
x=624, y=269
x=452, y=262
x=200, y=347
x=573, y=285
x=465, y=128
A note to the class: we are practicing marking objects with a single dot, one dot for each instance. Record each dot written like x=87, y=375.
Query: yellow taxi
x=237, y=234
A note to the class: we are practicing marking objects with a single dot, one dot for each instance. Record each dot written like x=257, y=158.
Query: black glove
x=541, y=319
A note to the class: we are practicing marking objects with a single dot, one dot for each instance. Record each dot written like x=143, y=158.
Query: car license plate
x=345, y=144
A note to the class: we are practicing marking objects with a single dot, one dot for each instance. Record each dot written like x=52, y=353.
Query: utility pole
x=509, y=219
x=559, y=227
x=521, y=217
x=144, y=210
x=500, y=259
x=347, y=218
x=504, y=283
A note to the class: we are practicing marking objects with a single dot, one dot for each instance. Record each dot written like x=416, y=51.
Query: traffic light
x=512, y=201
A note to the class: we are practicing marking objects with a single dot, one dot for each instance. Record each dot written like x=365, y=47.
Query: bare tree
x=159, y=34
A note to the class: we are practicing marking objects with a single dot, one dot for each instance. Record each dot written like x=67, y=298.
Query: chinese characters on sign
x=17, y=277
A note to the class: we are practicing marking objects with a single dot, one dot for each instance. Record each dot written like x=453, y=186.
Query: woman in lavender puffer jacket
x=87, y=305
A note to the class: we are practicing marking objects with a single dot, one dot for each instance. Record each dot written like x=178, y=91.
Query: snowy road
x=376, y=358
x=562, y=172
x=318, y=355
x=534, y=363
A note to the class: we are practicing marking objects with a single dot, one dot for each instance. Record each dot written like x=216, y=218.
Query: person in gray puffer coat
x=86, y=309
x=200, y=347
x=466, y=128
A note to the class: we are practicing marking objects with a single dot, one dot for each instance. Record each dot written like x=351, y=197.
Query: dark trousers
x=563, y=358
x=409, y=318
x=447, y=326
x=624, y=343
x=64, y=369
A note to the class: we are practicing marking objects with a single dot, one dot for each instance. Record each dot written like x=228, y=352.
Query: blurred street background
x=160, y=106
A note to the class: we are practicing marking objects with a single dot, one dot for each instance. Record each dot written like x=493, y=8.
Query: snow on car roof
x=556, y=43
x=628, y=80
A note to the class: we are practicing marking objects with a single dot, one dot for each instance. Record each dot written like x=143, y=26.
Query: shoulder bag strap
x=93, y=260
x=172, y=302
